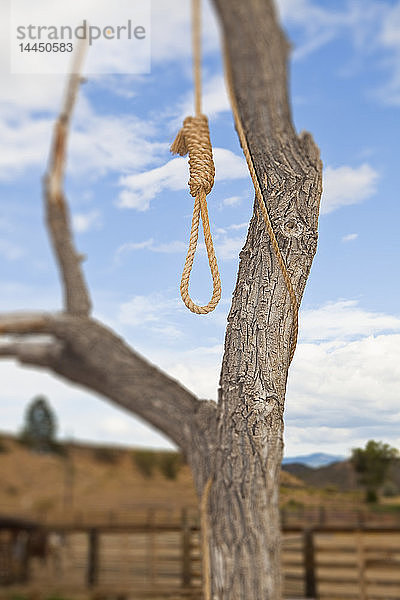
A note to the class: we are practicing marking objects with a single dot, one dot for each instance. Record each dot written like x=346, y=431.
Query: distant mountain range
x=339, y=474
x=315, y=460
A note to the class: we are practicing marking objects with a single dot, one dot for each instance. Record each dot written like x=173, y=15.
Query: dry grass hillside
x=90, y=483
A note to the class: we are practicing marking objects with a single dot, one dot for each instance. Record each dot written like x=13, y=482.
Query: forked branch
x=76, y=295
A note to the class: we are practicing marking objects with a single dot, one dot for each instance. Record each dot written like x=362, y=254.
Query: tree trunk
x=244, y=523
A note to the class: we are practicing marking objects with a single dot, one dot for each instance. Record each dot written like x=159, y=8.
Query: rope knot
x=194, y=139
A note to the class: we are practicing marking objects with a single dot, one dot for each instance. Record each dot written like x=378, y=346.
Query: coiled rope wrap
x=194, y=139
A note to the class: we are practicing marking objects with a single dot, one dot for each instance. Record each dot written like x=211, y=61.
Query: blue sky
x=131, y=212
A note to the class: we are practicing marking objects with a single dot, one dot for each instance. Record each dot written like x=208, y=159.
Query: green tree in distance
x=372, y=464
x=169, y=464
x=40, y=426
x=145, y=461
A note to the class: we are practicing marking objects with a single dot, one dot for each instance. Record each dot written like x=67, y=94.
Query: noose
x=194, y=139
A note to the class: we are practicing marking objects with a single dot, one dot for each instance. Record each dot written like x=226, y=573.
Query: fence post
x=93, y=557
x=360, y=519
x=309, y=564
x=186, y=564
x=361, y=565
x=151, y=546
x=283, y=517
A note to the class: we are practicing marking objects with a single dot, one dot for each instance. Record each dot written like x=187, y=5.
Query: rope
x=196, y=41
x=194, y=139
x=263, y=208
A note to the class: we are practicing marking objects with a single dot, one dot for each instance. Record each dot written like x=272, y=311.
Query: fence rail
x=158, y=559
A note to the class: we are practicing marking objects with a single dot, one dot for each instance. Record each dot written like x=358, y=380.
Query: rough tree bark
x=245, y=541
x=237, y=442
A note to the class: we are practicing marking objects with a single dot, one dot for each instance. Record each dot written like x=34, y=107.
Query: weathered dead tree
x=237, y=442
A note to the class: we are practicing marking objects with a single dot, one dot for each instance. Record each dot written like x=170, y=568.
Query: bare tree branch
x=88, y=353
x=32, y=353
x=76, y=295
x=27, y=323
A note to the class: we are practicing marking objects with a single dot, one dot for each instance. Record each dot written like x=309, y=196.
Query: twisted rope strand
x=194, y=139
x=196, y=43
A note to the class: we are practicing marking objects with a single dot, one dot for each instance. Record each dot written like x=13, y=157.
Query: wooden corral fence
x=159, y=559
x=341, y=564
x=338, y=516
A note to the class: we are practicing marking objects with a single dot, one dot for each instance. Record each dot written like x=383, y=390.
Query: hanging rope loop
x=194, y=139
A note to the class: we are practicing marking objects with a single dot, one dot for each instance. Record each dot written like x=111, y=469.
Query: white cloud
x=229, y=247
x=116, y=425
x=131, y=246
x=352, y=387
x=197, y=369
x=215, y=96
x=5, y=225
x=343, y=320
x=10, y=251
x=346, y=185
x=83, y=222
x=99, y=144
x=106, y=56
x=321, y=24
x=24, y=296
x=343, y=388
x=155, y=312
x=371, y=26
x=102, y=144
x=350, y=237
x=139, y=189
x=27, y=142
x=343, y=385
x=226, y=247
x=390, y=34
x=237, y=226
x=214, y=99
x=233, y=227
x=98, y=420
x=390, y=39
x=175, y=246
x=232, y=201
x=171, y=30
